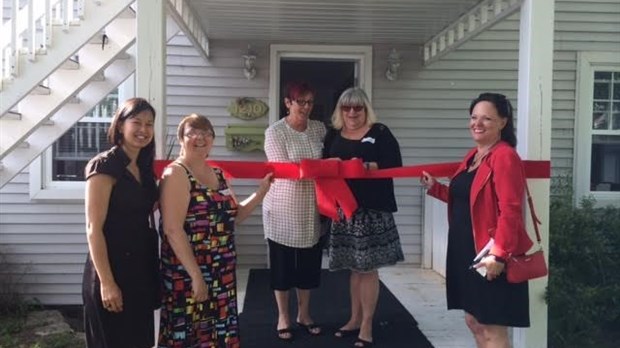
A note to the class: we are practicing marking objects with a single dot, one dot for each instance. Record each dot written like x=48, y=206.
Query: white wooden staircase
x=48, y=86
x=60, y=58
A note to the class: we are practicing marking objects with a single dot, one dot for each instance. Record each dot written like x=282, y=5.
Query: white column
x=151, y=63
x=534, y=140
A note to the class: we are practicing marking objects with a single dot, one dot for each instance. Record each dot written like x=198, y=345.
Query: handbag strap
x=532, y=212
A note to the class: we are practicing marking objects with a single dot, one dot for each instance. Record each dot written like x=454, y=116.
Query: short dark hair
x=504, y=110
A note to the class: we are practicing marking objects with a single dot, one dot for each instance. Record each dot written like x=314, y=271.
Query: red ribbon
x=331, y=189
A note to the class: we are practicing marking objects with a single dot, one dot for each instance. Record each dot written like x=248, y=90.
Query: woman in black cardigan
x=369, y=239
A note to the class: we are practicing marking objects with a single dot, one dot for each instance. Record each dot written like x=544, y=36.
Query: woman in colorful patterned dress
x=199, y=212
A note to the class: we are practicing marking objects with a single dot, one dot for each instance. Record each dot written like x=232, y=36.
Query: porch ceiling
x=328, y=21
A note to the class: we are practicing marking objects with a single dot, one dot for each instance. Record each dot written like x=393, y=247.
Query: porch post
x=151, y=64
x=534, y=140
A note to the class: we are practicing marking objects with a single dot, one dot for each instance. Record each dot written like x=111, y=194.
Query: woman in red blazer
x=485, y=201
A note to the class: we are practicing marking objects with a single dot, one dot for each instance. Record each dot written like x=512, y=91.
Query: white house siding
x=426, y=108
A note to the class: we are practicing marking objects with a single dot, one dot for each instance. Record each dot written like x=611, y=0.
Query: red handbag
x=520, y=268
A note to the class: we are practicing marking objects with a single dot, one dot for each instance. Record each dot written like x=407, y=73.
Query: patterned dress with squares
x=209, y=225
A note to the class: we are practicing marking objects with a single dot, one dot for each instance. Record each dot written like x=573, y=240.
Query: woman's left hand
x=494, y=267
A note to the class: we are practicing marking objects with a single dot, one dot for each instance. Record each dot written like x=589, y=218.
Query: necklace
x=478, y=156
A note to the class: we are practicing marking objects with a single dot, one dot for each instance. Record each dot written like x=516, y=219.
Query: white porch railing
x=182, y=14
x=482, y=16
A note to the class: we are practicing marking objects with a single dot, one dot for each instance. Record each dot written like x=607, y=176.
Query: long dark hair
x=504, y=110
x=130, y=109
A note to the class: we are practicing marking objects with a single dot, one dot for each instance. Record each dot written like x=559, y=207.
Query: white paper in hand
x=483, y=252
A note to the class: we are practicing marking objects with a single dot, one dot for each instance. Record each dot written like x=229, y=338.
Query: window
x=58, y=174
x=598, y=127
x=84, y=140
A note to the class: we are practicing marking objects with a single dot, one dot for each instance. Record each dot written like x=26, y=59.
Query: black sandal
x=282, y=332
x=311, y=328
x=360, y=343
x=341, y=333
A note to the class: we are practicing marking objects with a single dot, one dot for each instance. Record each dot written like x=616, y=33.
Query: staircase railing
x=28, y=30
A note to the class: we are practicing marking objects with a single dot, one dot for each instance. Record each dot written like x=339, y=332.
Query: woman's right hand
x=427, y=180
x=199, y=289
x=111, y=297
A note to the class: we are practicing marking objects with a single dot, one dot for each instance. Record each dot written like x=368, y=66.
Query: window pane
x=615, y=124
x=605, y=166
x=601, y=90
x=616, y=92
x=602, y=75
x=76, y=147
x=617, y=76
x=601, y=106
x=600, y=120
x=616, y=107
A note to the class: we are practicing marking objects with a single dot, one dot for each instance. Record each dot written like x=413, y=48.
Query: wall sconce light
x=393, y=65
x=249, y=64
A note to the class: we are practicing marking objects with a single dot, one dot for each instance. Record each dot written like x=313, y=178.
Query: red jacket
x=496, y=201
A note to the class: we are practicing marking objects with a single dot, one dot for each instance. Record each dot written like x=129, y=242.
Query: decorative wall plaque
x=247, y=108
x=240, y=137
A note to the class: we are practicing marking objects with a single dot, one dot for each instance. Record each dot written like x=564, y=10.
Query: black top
x=377, y=145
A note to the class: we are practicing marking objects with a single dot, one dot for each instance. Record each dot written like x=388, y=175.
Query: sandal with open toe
x=285, y=334
x=341, y=333
x=312, y=329
x=360, y=343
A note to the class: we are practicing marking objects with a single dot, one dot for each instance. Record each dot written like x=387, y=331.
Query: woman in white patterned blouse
x=290, y=214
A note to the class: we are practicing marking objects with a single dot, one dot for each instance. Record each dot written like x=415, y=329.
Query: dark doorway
x=328, y=77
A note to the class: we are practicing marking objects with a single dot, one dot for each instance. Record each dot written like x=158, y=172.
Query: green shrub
x=584, y=274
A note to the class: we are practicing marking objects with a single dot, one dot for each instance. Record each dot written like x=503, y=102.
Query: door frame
x=360, y=54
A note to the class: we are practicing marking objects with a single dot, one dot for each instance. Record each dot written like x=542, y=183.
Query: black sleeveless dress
x=495, y=302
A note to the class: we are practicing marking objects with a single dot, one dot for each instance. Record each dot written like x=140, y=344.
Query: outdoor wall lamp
x=249, y=64
x=393, y=65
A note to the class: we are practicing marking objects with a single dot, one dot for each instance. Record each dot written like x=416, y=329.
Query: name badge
x=368, y=140
x=225, y=192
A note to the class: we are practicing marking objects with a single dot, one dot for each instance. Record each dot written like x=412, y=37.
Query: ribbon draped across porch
x=331, y=189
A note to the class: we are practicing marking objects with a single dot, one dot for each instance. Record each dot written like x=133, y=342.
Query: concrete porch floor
x=422, y=292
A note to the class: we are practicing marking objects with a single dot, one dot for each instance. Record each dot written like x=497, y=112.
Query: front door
x=329, y=78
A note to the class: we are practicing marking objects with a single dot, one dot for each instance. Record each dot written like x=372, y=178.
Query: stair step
x=97, y=39
x=75, y=99
x=12, y=115
x=99, y=76
x=41, y=90
x=72, y=63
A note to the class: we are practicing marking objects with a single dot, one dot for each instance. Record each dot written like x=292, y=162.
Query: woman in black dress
x=121, y=277
x=485, y=203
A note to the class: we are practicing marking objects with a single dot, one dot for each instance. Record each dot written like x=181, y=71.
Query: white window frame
x=42, y=187
x=587, y=64
x=360, y=54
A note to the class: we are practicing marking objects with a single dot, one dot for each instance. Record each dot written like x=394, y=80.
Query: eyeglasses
x=194, y=134
x=348, y=108
x=302, y=102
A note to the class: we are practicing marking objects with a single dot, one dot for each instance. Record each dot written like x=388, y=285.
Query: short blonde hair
x=352, y=97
